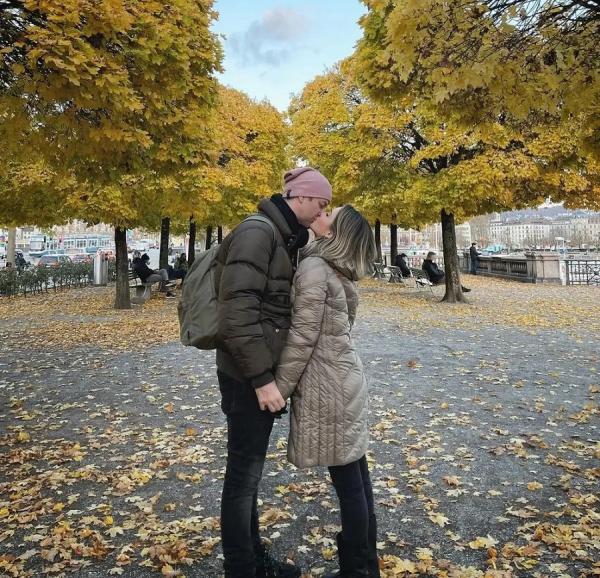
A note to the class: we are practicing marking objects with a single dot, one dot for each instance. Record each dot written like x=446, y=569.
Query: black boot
x=353, y=561
x=269, y=567
x=372, y=555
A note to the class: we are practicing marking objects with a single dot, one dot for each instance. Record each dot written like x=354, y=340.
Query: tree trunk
x=454, y=292
x=192, y=242
x=378, y=240
x=393, y=243
x=219, y=234
x=209, y=230
x=11, y=247
x=122, y=300
x=163, y=256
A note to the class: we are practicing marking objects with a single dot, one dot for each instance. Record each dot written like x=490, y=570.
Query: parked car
x=53, y=260
x=82, y=258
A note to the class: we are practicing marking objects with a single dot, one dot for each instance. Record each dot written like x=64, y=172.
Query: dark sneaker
x=170, y=295
x=268, y=567
x=466, y=290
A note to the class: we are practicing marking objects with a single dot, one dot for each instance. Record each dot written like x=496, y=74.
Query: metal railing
x=583, y=272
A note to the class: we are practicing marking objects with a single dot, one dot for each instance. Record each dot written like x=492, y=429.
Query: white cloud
x=272, y=39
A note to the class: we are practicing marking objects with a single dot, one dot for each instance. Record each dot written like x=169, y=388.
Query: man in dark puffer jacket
x=255, y=267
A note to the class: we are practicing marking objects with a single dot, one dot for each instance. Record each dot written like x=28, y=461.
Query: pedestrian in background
x=474, y=258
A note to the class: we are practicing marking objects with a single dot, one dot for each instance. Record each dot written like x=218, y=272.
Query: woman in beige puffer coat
x=322, y=373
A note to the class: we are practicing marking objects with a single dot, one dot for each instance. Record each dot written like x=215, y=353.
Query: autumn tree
x=386, y=159
x=409, y=168
x=115, y=96
x=485, y=132
x=251, y=139
x=353, y=142
x=481, y=60
x=529, y=67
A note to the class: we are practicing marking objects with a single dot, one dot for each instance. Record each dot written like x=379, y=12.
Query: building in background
x=76, y=237
x=579, y=232
x=542, y=228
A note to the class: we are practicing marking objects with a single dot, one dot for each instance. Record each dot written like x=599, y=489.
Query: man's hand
x=269, y=397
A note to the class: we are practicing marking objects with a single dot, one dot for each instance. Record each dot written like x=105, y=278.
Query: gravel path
x=484, y=427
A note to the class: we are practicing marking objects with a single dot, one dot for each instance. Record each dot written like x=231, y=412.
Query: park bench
x=379, y=271
x=142, y=290
x=395, y=275
x=421, y=279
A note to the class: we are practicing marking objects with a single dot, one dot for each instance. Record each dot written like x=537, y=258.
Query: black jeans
x=353, y=487
x=248, y=432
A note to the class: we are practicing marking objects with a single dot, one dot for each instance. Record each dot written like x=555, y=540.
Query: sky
x=273, y=48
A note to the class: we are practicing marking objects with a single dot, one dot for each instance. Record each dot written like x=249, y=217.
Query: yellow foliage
x=524, y=96
x=250, y=139
x=404, y=164
x=103, y=102
x=481, y=60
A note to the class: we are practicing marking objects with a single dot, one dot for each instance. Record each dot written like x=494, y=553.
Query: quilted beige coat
x=321, y=371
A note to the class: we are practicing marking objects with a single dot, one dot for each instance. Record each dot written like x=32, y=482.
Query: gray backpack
x=197, y=308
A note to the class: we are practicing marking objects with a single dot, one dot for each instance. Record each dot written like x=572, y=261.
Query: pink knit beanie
x=306, y=182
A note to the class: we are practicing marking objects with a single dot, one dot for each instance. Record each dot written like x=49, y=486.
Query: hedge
x=43, y=279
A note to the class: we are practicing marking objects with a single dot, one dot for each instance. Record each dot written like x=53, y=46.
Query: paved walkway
x=484, y=427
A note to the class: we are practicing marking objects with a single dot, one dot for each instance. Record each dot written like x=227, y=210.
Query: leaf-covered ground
x=484, y=425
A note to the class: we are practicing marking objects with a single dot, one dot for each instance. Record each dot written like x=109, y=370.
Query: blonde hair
x=351, y=246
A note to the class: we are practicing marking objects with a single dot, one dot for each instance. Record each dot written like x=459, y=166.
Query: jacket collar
x=268, y=207
x=293, y=233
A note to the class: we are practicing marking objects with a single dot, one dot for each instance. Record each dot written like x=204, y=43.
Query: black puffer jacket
x=141, y=269
x=254, y=276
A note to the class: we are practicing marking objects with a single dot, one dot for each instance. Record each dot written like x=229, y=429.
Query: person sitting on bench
x=401, y=262
x=147, y=275
x=178, y=269
x=435, y=274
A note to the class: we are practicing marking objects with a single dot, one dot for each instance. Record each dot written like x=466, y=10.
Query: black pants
x=353, y=487
x=248, y=431
x=175, y=273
